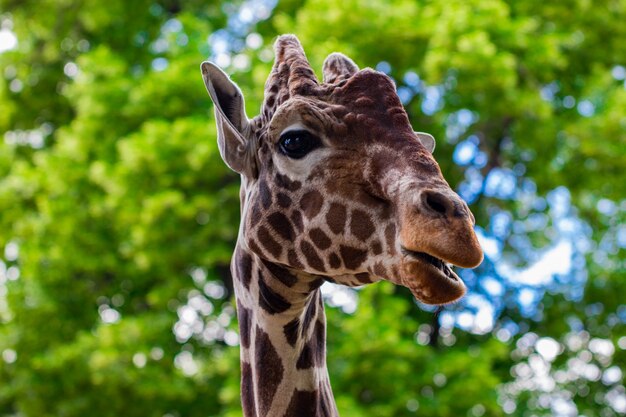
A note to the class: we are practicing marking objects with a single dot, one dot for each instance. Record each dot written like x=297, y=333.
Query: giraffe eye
x=297, y=143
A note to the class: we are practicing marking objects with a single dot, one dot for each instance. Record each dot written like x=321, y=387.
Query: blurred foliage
x=118, y=218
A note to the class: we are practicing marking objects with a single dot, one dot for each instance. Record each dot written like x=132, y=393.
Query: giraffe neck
x=283, y=341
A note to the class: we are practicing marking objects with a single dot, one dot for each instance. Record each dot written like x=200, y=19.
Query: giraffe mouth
x=439, y=264
x=430, y=279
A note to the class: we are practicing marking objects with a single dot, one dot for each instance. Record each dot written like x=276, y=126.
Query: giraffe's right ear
x=233, y=127
x=427, y=140
x=338, y=66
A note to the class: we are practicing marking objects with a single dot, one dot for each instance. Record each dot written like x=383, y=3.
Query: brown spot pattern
x=311, y=203
x=245, y=322
x=303, y=404
x=313, y=352
x=269, y=369
x=283, y=200
x=247, y=392
x=243, y=266
x=291, y=330
x=319, y=238
x=311, y=256
x=377, y=248
x=270, y=300
x=283, y=181
x=379, y=270
x=363, y=278
x=293, y=259
x=361, y=225
x=296, y=218
x=311, y=312
x=352, y=257
x=254, y=247
x=268, y=242
x=305, y=360
x=280, y=273
x=336, y=218
x=320, y=342
x=265, y=195
x=334, y=261
x=390, y=237
x=281, y=225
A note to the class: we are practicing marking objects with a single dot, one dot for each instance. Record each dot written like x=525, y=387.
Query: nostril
x=436, y=202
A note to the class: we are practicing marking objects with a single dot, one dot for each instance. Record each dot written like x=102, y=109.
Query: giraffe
x=335, y=186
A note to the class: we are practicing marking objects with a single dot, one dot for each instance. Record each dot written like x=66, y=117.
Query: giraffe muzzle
x=437, y=222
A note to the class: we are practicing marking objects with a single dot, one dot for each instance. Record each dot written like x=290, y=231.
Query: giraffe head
x=336, y=183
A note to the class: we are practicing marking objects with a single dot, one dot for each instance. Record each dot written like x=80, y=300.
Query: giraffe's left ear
x=233, y=127
x=427, y=140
